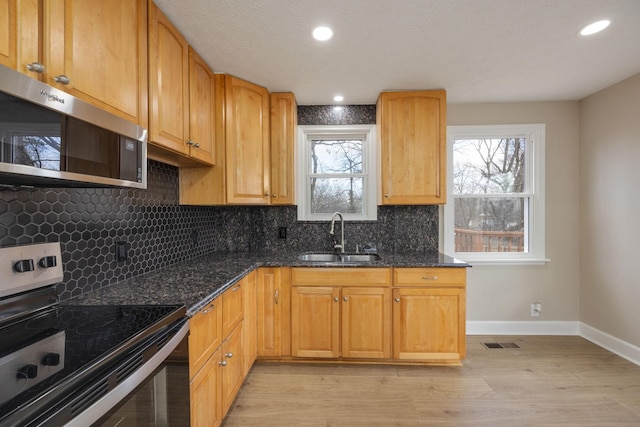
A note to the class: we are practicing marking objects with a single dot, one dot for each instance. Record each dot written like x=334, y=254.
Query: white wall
x=610, y=210
x=504, y=294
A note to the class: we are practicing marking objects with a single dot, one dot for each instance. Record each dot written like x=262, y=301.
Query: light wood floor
x=549, y=381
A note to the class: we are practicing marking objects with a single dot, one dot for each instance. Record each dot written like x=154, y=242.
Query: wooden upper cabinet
x=283, y=135
x=8, y=33
x=412, y=132
x=168, y=84
x=96, y=51
x=201, y=109
x=247, y=142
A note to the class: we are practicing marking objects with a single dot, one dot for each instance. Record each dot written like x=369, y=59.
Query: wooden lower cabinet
x=232, y=367
x=205, y=402
x=429, y=315
x=274, y=308
x=250, y=322
x=315, y=321
x=350, y=319
x=341, y=322
x=205, y=336
x=366, y=323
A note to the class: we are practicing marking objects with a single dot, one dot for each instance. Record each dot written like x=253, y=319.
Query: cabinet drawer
x=232, y=308
x=449, y=277
x=341, y=276
x=206, y=334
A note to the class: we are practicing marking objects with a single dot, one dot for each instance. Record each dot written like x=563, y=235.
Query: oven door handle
x=94, y=412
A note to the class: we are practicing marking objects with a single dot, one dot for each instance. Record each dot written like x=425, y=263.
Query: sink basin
x=319, y=257
x=333, y=258
x=360, y=258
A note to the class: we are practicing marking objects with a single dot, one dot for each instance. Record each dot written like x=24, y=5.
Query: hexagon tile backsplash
x=88, y=222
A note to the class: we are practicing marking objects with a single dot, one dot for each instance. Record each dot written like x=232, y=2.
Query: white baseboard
x=611, y=343
x=522, y=328
x=603, y=339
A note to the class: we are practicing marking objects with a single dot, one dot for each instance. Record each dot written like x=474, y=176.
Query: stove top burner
x=89, y=334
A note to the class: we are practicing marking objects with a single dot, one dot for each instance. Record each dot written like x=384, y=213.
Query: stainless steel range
x=65, y=364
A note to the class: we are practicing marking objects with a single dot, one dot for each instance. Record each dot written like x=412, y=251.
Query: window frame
x=307, y=133
x=534, y=191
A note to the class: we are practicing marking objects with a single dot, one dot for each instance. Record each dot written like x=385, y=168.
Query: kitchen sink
x=319, y=257
x=360, y=258
x=343, y=258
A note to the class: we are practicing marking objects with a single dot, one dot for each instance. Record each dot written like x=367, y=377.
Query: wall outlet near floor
x=536, y=308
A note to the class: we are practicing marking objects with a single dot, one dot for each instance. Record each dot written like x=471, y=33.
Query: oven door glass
x=162, y=400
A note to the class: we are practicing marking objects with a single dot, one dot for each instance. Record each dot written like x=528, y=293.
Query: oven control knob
x=23, y=265
x=51, y=359
x=28, y=371
x=47, y=262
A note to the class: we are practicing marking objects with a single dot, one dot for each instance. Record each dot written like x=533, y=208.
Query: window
x=495, y=211
x=336, y=172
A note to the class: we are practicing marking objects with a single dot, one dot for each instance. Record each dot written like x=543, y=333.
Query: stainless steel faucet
x=337, y=246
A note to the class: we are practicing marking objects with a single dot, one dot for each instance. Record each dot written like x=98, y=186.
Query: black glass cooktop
x=93, y=336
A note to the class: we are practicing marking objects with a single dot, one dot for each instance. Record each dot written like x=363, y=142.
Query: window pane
x=336, y=156
x=490, y=224
x=329, y=195
x=489, y=166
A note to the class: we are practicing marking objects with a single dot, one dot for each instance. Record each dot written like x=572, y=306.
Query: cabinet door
x=247, y=142
x=273, y=310
x=205, y=335
x=250, y=322
x=366, y=323
x=283, y=129
x=232, y=307
x=206, y=398
x=8, y=33
x=201, y=109
x=315, y=321
x=232, y=368
x=101, y=47
x=168, y=84
x=428, y=324
x=412, y=132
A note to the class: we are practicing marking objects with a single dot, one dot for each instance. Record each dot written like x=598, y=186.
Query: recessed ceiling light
x=596, y=27
x=322, y=33
x=338, y=98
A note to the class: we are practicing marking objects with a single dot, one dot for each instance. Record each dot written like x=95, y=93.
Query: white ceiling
x=478, y=50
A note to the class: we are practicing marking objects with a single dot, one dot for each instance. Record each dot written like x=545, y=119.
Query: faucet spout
x=337, y=246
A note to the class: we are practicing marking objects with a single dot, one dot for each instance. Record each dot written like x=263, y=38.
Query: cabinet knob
x=336, y=299
x=345, y=298
x=62, y=79
x=36, y=67
x=190, y=142
x=386, y=195
x=196, y=145
x=228, y=355
x=223, y=363
x=397, y=299
x=277, y=296
x=208, y=309
x=429, y=277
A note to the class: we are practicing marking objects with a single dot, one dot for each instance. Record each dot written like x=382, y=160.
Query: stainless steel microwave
x=49, y=138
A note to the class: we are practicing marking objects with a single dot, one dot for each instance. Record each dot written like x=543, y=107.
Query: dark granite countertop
x=196, y=282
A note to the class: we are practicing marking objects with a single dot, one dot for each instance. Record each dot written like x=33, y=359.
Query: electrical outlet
x=536, y=308
x=122, y=251
x=195, y=235
x=282, y=232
